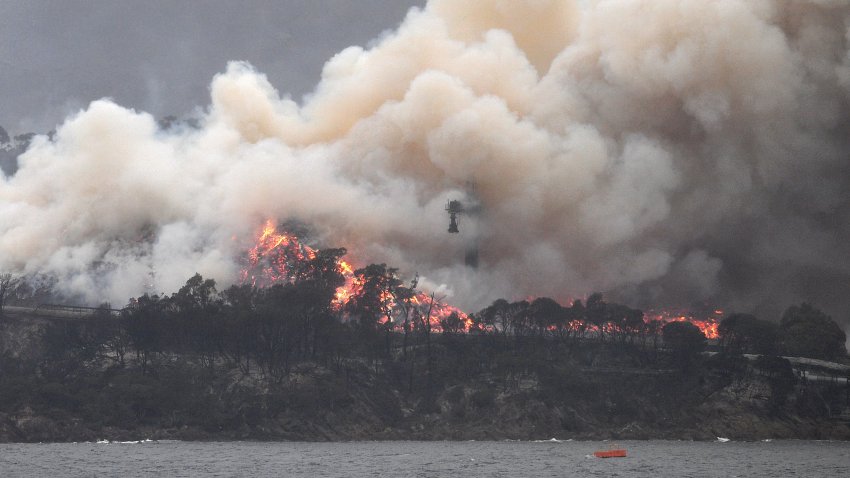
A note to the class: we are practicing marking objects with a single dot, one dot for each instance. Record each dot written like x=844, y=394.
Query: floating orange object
x=613, y=453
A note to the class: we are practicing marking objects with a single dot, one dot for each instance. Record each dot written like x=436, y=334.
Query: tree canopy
x=744, y=333
x=808, y=332
x=685, y=340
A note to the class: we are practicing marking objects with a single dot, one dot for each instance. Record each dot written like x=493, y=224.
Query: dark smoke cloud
x=663, y=152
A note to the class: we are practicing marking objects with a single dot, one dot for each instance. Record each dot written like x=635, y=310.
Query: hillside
x=474, y=391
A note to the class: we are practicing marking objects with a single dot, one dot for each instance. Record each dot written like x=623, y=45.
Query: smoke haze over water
x=663, y=152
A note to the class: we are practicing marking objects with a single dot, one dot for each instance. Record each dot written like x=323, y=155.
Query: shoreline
x=507, y=440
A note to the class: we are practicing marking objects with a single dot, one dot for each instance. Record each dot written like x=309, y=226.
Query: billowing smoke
x=662, y=151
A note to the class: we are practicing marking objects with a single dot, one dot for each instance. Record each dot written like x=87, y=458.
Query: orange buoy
x=611, y=452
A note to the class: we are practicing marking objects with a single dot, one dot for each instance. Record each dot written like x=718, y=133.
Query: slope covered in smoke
x=662, y=151
x=10, y=148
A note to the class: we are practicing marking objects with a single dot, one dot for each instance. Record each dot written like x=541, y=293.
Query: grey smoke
x=663, y=152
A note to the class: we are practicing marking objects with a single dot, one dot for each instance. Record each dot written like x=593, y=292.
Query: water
x=426, y=459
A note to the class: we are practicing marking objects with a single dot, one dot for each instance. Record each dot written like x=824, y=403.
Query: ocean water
x=425, y=459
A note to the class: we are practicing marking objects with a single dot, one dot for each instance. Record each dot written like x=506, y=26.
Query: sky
x=159, y=56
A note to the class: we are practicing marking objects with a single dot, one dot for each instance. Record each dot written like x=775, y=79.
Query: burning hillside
x=281, y=257
x=660, y=151
x=707, y=323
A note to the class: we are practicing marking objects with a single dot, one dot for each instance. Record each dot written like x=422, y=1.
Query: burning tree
x=707, y=322
x=374, y=294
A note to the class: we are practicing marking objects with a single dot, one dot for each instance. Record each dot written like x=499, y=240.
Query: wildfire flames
x=279, y=256
x=276, y=257
x=707, y=323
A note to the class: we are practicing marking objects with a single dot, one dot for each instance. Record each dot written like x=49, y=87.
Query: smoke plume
x=661, y=151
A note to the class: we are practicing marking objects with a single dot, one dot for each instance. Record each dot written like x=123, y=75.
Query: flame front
x=708, y=324
x=275, y=258
x=278, y=256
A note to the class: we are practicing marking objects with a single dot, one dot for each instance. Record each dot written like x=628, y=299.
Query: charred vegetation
x=290, y=361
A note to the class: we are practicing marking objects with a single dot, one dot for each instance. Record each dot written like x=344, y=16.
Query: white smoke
x=661, y=151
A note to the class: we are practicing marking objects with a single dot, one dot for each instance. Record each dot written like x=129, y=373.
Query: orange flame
x=708, y=325
x=277, y=257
